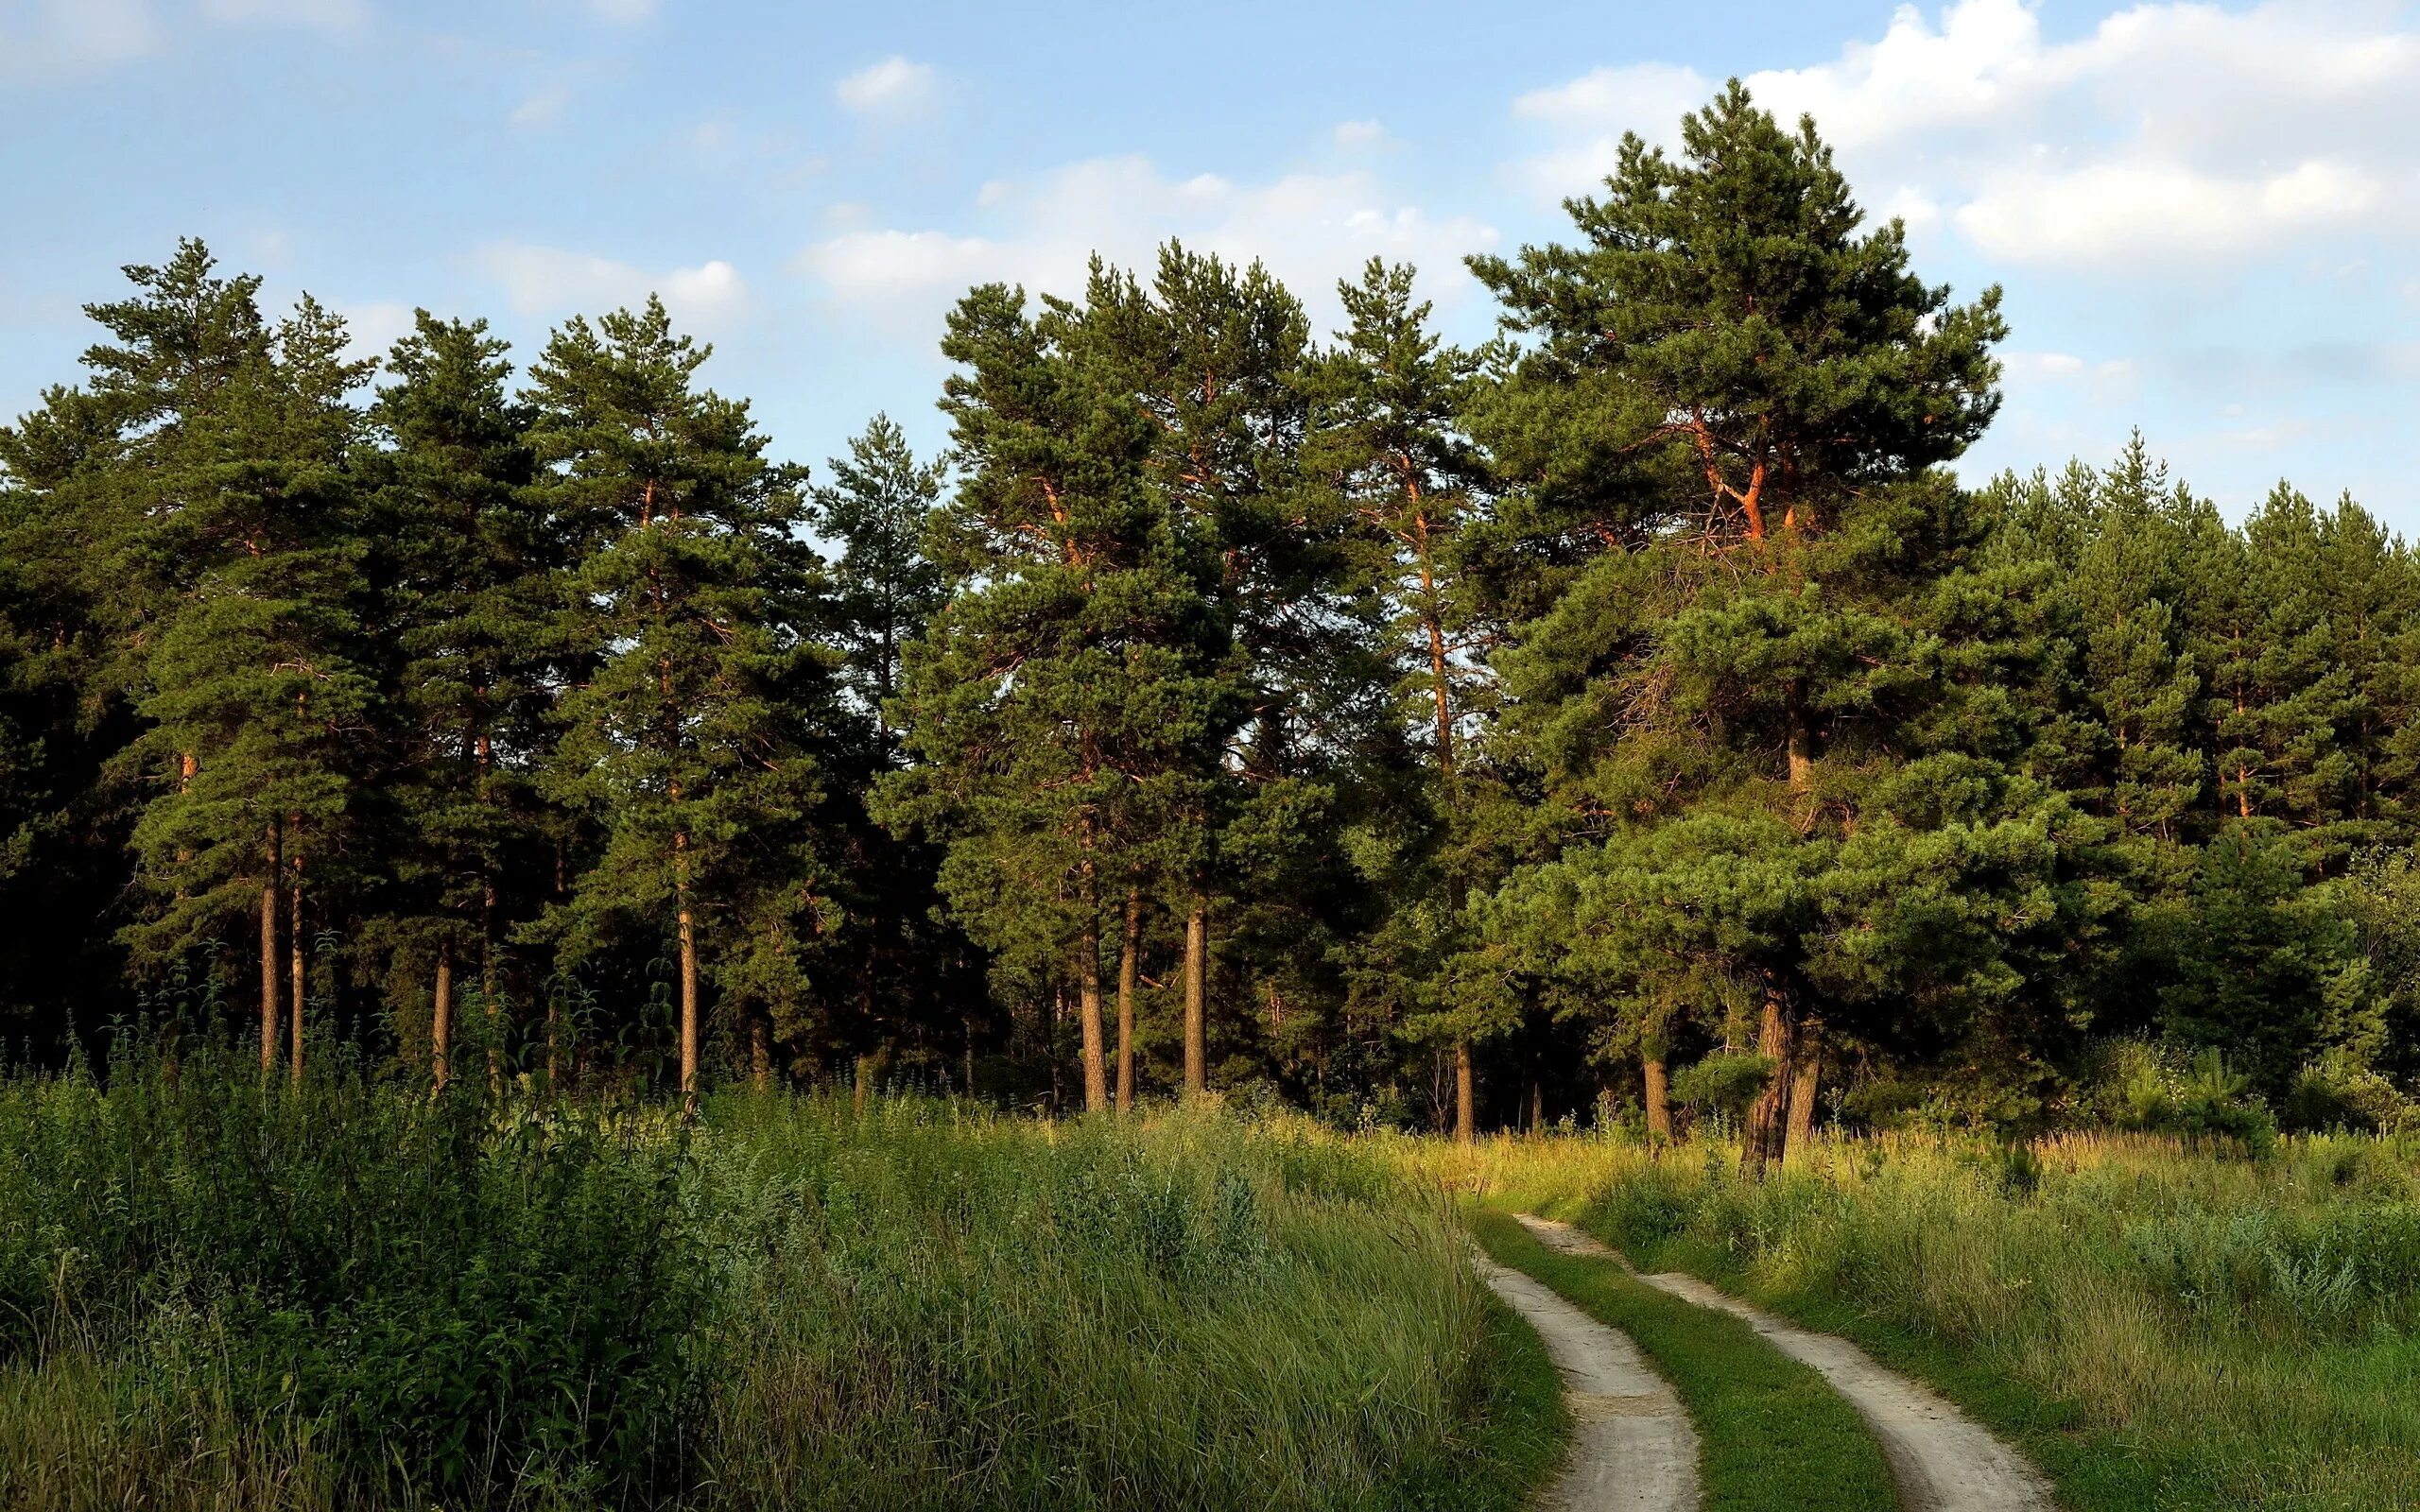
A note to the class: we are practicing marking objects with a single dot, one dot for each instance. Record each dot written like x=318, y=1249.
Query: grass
x=216, y=1294
x=1772, y=1435
x=2161, y=1328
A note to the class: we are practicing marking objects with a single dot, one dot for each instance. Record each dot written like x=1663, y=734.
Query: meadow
x=218, y=1292
x=2160, y=1324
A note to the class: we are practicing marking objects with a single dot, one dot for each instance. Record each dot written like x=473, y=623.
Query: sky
x=2201, y=215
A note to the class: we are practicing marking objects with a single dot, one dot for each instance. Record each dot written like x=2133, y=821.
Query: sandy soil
x=1633, y=1447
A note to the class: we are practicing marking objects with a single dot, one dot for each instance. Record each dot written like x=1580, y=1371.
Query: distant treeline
x=1419, y=735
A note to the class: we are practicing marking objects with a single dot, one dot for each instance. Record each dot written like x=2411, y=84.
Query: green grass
x=219, y=1293
x=1772, y=1436
x=2160, y=1327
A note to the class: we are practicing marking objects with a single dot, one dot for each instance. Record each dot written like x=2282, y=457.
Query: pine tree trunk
x=1801, y=762
x=1659, y=1099
x=1197, y=993
x=760, y=1053
x=1088, y=1015
x=1129, y=967
x=1465, y=1095
x=1802, y=1097
x=1537, y=1106
x=294, y=950
x=688, y=1005
x=867, y=1078
x=440, y=1017
x=268, y=957
x=1766, y=1141
x=490, y=1000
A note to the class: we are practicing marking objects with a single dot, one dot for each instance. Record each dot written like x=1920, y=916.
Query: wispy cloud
x=894, y=87
x=552, y=282
x=54, y=38
x=332, y=16
x=1310, y=229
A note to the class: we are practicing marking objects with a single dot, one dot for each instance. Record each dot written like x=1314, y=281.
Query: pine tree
x=464, y=564
x=884, y=589
x=1066, y=703
x=237, y=529
x=1747, y=389
x=1388, y=433
x=688, y=741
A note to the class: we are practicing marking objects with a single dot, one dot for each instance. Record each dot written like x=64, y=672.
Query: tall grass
x=219, y=1293
x=2169, y=1327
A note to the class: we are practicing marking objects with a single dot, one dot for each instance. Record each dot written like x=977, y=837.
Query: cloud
x=2169, y=131
x=543, y=107
x=551, y=282
x=51, y=38
x=332, y=16
x=622, y=12
x=894, y=87
x=1359, y=136
x=2136, y=213
x=374, y=326
x=1310, y=229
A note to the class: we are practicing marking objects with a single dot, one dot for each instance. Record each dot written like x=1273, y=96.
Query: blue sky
x=2202, y=214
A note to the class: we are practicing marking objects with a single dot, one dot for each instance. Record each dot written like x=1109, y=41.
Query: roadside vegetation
x=220, y=1293
x=2158, y=1324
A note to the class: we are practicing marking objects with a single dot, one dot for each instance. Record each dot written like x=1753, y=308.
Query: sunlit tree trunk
x=1129, y=967
x=269, y=964
x=1768, y=1128
x=1659, y=1098
x=1197, y=993
x=294, y=950
x=1465, y=1095
x=1804, y=1086
x=440, y=1018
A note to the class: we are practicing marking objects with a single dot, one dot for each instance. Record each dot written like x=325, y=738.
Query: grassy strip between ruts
x=1771, y=1433
x=2094, y=1471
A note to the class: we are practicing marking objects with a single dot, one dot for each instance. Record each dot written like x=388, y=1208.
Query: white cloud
x=335, y=16
x=1359, y=136
x=54, y=37
x=374, y=325
x=2174, y=130
x=894, y=87
x=543, y=107
x=2134, y=213
x=552, y=282
x=1309, y=229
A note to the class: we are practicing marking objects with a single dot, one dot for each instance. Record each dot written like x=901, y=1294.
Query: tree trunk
x=1197, y=992
x=1801, y=762
x=1129, y=967
x=870, y=1066
x=1088, y=1013
x=491, y=1000
x=268, y=958
x=294, y=950
x=1659, y=1099
x=1802, y=1087
x=760, y=1053
x=1465, y=1095
x=1537, y=1105
x=440, y=1016
x=1768, y=1131
x=688, y=978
